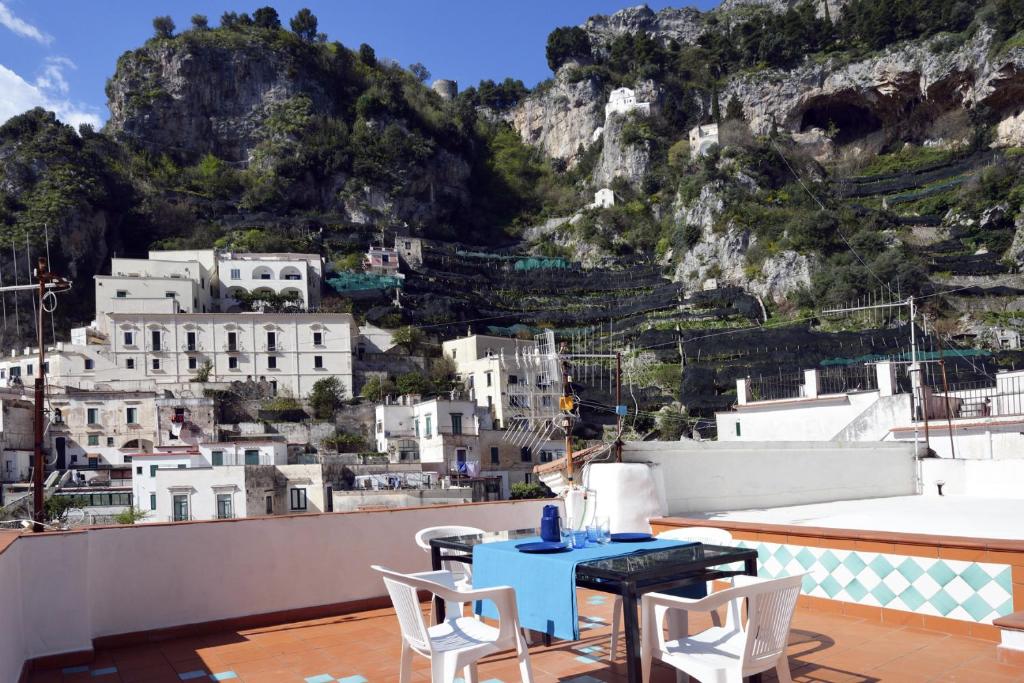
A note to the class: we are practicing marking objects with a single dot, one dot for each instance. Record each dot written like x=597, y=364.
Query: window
x=224, y=506
x=416, y=424
x=487, y=375
x=156, y=363
x=152, y=501
x=318, y=362
x=513, y=379
x=546, y=456
x=232, y=362
x=129, y=339
x=456, y=423
x=93, y=416
x=236, y=274
x=217, y=458
x=180, y=508
x=528, y=477
x=737, y=428
x=272, y=362
x=298, y=499
x=385, y=258
x=193, y=363
x=545, y=401
x=93, y=440
x=89, y=364
x=428, y=428
x=138, y=470
x=252, y=456
x=269, y=505
x=232, y=341
x=495, y=455
x=94, y=462
x=152, y=470
x=122, y=294
x=190, y=341
x=525, y=455
x=132, y=415
x=154, y=336
x=28, y=370
x=182, y=467
x=271, y=341
x=129, y=363
x=460, y=455
x=110, y=444
x=318, y=339
x=169, y=295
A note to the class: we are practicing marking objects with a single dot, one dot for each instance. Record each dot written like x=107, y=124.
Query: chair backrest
x=701, y=534
x=423, y=536
x=770, y=606
x=405, y=599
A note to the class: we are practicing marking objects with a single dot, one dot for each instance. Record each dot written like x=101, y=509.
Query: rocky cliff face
x=621, y=157
x=718, y=258
x=683, y=25
x=898, y=92
x=195, y=95
x=561, y=119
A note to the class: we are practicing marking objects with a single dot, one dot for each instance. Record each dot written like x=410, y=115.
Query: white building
x=986, y=421
x=284, y=274
x=702, y=138
x=604, y=198
x=623, y=101
x=16, y=437
x=507, y=376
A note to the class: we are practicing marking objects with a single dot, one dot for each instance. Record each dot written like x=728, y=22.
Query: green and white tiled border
x=969, y=591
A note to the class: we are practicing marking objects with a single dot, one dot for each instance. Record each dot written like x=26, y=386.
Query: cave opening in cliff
x=847, y=121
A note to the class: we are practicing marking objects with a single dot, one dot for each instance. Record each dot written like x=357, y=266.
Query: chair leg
x=782, y=670
x=469, y=673
x=716, y=618
x=525, y=669
x=616, y=626
x=442, y=668
x=405, y=664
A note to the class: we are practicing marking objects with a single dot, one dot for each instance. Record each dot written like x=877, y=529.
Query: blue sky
x=59, y=53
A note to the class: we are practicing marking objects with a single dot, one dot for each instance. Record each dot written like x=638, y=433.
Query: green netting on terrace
x=354, y=282
x=513, y=331
x=537, y=263
x=905, y=356
x=485, y=255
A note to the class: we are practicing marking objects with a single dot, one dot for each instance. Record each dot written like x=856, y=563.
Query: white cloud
x=52, y=77
x=22, y=27
x=18, y=95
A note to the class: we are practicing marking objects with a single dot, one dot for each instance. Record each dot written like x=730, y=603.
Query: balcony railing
x=776, y=387
x=192, y=347
x=847, y=378
x=273, y=348
x=972, y=400
x=233, y=348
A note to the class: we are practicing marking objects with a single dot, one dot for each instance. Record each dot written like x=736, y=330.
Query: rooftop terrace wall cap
x=1011, y=622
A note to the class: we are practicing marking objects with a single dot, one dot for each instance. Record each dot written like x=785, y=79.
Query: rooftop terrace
x=293, y=599
x=364, y=646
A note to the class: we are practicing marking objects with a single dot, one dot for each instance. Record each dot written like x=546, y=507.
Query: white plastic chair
x=457, y=643
x=725, y=654
x=700, y=534
x=462, y=572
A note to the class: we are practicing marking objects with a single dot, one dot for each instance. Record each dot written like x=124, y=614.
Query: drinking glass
x=593, y=533
x=604, y=534
x=579, y=538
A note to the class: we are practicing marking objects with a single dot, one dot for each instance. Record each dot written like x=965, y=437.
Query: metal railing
x=775, y=387
x=972, y=400
x=847, y=378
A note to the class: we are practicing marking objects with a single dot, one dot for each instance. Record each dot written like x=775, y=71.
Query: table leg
x=750, y=569
x=631, y=630
x=435, y=564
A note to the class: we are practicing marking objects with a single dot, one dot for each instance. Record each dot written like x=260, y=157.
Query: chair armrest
x=706, y=604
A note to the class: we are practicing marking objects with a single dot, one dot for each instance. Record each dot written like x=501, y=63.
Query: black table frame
x=659, y=578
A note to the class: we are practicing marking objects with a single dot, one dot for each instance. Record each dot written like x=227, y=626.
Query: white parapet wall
x=712, y=476
x=57, y=588
x=987, y=478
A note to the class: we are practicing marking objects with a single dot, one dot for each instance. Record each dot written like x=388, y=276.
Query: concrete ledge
x=1011, y=645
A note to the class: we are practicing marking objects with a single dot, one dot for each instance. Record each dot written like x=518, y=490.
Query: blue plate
x=542, y=547
x=631, y=538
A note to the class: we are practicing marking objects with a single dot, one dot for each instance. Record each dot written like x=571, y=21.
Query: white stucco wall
x=805, y=419
x=58, y=588
x=706, y=476
x=989, y=478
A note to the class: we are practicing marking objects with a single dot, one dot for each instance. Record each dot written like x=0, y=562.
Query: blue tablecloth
x=546, y=583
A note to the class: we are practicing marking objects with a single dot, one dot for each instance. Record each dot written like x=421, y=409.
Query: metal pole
x=38, y=500
x=915, y=371
x=567, y=418
x=945, y=389
x=618, y=402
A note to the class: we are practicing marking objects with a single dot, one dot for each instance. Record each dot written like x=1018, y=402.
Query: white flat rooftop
x=943, y=516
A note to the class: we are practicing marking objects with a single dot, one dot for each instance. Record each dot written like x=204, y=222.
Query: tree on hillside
x=200, y=22
x=409, y=337
x=565, y=44
x=304, y=25
x=413, y=383
x=266, y=17
x=734, y=110
x=367, y=56
x=377, y=388
x=164, y=27
x=420, y=72
x=326, y=395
